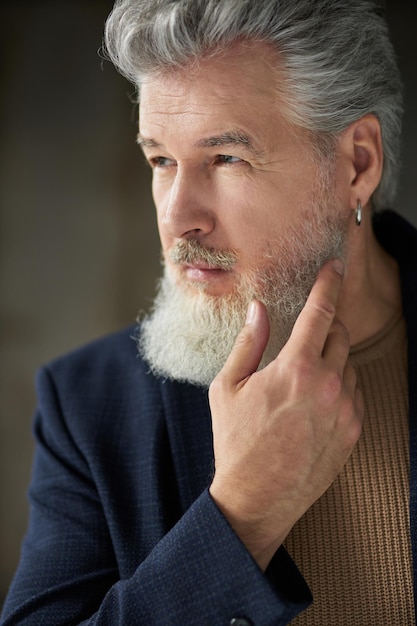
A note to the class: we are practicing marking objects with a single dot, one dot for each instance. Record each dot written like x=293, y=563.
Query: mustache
x=192, y=251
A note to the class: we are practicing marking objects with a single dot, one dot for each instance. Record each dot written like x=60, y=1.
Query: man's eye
x=227, y=158
x=161, y=162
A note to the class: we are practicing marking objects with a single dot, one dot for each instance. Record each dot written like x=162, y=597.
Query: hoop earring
x=358, y=213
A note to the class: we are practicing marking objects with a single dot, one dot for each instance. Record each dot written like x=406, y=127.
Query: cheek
x=255, y=215
x=244, y=200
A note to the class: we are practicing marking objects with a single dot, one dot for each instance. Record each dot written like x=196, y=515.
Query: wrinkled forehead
x=257, y=64
x=247, y=76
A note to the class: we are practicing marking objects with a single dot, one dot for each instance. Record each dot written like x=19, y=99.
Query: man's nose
x=186, y=212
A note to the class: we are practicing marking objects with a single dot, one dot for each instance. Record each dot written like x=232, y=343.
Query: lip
x=203, y=272
x=199, y=266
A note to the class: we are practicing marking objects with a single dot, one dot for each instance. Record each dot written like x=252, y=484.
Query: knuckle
x=350, y=421
x=350, y=374
x=331, y=388
x=243, y=339
x=217, y=386
x=300, y=371
x=360, y=405
x=353, y=433
x=324, y=308
x=340, y=329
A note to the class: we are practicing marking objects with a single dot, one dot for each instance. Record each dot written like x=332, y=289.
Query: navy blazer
x=122, y=527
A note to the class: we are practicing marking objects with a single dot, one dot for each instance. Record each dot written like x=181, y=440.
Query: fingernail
x=250, y=315
x=339, y=266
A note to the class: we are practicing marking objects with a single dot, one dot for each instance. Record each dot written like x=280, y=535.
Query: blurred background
x=79, y=252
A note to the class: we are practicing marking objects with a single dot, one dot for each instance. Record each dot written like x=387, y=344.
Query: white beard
x=189, y=334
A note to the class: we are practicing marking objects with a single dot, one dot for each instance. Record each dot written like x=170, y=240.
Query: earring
x=358, y=213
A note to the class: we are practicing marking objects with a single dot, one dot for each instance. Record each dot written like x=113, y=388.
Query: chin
x=193, y=326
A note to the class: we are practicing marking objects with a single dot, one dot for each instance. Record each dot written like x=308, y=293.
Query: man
x=272, y=129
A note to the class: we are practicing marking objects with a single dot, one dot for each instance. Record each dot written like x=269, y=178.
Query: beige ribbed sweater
x=353, y=545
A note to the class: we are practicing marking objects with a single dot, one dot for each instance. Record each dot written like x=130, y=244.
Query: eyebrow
x=147, y=143
x=228, y=138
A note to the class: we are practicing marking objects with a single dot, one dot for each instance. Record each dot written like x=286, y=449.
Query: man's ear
x=361, y=145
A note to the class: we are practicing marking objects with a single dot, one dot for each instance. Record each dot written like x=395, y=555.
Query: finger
x=249, y=346
x=359, y=404
x=315, y=320
x=337, y=347
x=353, y=388
x=350, y=381
x=350, y=378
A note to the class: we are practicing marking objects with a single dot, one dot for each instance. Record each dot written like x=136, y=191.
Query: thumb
x=249, y=346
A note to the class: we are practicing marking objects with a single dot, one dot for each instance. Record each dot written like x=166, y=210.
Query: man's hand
x=283, y=434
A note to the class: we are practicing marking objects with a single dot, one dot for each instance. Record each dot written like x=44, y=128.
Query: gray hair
x=337, y=54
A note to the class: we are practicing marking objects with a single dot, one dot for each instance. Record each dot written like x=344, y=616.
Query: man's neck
x=371, y=295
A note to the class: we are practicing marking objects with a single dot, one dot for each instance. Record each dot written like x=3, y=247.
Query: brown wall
x=78, y=244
